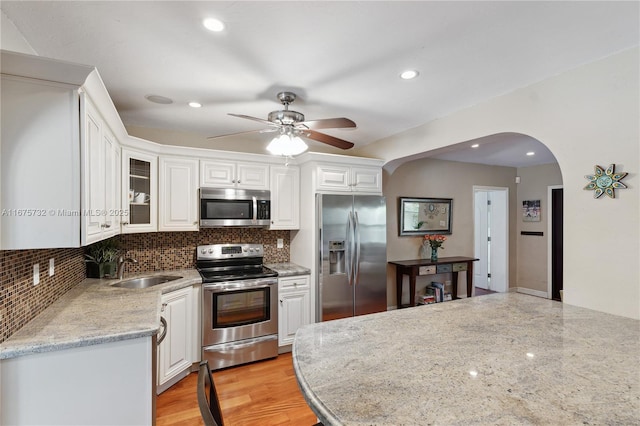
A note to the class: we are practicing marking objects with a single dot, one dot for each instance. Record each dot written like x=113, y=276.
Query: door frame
x=505, y=190
x=550, y=189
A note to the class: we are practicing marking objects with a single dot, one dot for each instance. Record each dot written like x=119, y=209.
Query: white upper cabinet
x=178, y=194
x=285, y=197
x=40, y=164
x=139, y=191
x=232, y=174
x=338, y=177
x=100, y=154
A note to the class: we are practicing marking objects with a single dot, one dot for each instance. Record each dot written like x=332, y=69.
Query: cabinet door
x=39, y=168
x=218, y=173
x=333, y=178
x=293, y=314
x=93, y=176
x=253, y=176
x=139, y=191
x=112, y=179
x=174, y=352
x=285, y=197
x=178, y=194
x=295, y=307
x=366, y=179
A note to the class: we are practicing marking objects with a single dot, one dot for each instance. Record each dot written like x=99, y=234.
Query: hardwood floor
x=261, y=393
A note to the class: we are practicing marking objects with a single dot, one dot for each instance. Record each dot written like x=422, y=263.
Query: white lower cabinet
x=294, y=308
x=174, y=352
x=108, y=384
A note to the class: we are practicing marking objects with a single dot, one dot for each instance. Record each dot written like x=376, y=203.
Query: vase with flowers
x=434, y=241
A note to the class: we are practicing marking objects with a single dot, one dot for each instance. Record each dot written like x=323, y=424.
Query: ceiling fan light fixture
x=287, y=146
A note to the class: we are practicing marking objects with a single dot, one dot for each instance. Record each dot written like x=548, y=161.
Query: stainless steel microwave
x=234, y=207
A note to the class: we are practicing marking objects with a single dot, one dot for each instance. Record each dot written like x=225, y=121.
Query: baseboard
x=163, y=387
x=531, y=292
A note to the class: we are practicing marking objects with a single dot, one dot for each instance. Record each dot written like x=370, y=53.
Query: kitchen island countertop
x=501, y=359
x=95, y=312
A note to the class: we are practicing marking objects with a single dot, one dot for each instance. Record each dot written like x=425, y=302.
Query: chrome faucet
x=121, y=262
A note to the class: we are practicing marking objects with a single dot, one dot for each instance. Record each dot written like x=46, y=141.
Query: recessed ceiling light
x=213, y=24
x=530, y=153
x=159, y=99
x=409, y=74
x=195, y=104
x=475, y=145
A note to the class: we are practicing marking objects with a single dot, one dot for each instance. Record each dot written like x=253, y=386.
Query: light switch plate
x=280, y=243
x=36, y=274
x=52, y=268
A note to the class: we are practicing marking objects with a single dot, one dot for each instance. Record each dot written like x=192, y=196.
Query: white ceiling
x=342, y=58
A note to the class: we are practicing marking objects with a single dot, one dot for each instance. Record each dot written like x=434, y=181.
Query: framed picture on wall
x=531, y=210
x=421, y=216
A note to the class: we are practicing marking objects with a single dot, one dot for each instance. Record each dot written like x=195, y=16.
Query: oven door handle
x=239, y=285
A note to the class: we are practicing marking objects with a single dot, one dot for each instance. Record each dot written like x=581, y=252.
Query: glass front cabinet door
x=139, y=191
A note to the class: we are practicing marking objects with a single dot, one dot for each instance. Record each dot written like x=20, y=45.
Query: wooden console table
x=422, y=267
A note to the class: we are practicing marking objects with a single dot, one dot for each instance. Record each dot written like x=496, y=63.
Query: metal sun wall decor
x=605, y=181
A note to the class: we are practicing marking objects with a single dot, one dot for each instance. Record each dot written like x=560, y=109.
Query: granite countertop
x=95, y=312
x=501, y=359
x=287, y=269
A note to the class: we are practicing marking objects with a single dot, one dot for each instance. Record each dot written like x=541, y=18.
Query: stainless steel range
x=239, y=304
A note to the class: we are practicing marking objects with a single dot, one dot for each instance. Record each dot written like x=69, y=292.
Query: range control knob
x=203, y=251
x=210, y=251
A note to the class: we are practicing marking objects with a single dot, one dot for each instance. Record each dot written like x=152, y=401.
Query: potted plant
x=102, y=258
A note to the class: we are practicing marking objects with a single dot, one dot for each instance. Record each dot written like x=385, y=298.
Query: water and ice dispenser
x=336, y=257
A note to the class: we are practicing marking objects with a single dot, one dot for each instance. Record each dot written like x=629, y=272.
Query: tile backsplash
x=21, y=301
x=158, y=251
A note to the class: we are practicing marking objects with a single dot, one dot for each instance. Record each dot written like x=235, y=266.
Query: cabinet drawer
x=294, y=283
x=441, y=269
x=459, y=267
x=427, y=270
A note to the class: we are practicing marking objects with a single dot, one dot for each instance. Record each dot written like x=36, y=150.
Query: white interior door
x=491, y=231
x=481, y=239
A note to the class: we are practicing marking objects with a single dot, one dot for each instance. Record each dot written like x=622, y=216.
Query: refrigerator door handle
x=356, y=236
x=349, y=249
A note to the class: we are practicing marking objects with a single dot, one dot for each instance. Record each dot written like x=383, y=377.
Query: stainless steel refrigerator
x=352, y=277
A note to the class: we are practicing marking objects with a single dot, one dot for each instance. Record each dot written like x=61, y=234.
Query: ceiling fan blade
x=273, y=129
x=329, y=140
x=328, y=123
x=259, y=120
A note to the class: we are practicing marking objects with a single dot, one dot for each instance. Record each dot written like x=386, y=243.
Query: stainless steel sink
x=146, y=282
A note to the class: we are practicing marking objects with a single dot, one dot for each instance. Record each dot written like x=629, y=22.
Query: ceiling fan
x=292, y=123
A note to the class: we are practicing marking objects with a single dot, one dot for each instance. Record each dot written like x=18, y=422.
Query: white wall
x=585, y=116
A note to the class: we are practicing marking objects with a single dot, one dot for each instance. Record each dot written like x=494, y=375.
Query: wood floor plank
x=263, y=393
